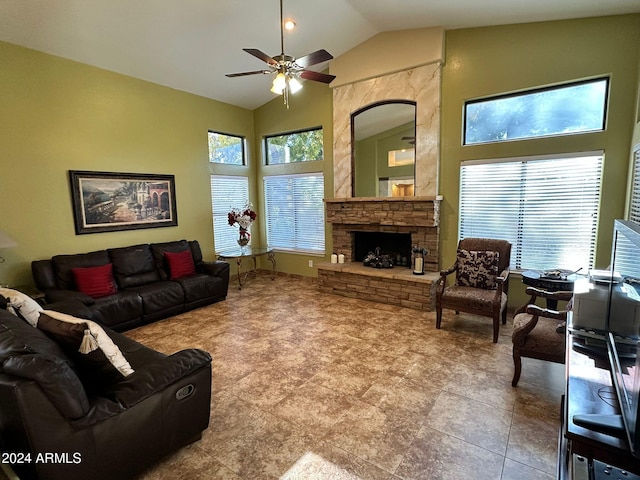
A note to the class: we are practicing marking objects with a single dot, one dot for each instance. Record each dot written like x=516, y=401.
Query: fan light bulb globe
x=294, y=85
x=279, y=84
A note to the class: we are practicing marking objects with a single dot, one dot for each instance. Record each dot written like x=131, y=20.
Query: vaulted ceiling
x=190, y=45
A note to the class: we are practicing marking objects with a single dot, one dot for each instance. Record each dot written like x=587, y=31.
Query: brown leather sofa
x=58, y=422
x=144, y=290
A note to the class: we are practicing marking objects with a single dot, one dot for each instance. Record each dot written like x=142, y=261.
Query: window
x=567, y=109
x=304, y=146
x=295, y=212
x=227, y=149
x=547, y=207
x=227, y=192
x=634, y=208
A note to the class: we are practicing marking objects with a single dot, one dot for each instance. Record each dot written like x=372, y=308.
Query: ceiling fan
x=288, y=69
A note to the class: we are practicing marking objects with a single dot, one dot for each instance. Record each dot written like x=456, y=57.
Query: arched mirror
x=383, y=137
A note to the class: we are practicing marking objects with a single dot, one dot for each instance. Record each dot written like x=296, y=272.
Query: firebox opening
x=397, y=245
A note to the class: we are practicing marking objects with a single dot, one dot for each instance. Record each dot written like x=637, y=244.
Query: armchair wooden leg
x=517, y=363
x=438, y=316
x=496, y=328
x=504, y=316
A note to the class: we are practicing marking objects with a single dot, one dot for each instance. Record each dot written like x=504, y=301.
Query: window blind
x=634, y=207
x=295, y=212
x=227, y=192
x=546, y=207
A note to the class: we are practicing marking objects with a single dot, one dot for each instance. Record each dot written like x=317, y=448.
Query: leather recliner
x=55, y=423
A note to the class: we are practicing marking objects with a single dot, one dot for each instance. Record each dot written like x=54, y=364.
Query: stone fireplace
x=417, y=217
x=414, y=217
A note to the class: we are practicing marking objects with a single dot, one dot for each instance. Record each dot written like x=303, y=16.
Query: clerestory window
x=226, y=149
x=302, y=146
x=577, y=107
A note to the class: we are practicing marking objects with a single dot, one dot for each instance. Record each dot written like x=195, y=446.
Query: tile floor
x=314, y=386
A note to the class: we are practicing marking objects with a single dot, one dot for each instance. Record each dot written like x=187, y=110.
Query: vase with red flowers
x=244, y=217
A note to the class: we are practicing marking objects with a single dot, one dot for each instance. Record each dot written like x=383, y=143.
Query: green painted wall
x=486, y=61
x=310, y=107
x=57, y=115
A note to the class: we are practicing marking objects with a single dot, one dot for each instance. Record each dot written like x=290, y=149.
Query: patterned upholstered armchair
x=481, y=281
x=539, y=332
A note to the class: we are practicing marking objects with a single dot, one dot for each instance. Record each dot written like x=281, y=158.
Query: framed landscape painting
x=107, y=202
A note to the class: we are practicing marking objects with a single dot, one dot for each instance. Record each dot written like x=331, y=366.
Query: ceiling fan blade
x=316, y=76
x=314, y=58
x=244, y=74
x=261, y=55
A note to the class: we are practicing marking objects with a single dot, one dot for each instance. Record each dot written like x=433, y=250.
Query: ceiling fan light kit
x=288, y=69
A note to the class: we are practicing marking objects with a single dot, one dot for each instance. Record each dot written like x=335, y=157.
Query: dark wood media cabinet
x=590, y=390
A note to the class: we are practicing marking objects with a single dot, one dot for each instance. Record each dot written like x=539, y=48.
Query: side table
x=238, y=253
x=554, y=283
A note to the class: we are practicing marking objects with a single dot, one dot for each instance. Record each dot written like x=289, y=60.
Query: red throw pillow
x=180, y=264
x=95, y=281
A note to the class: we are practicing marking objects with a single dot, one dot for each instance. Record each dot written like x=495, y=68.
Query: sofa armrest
x=63, y=295
x=156, y=376
x=216, y=268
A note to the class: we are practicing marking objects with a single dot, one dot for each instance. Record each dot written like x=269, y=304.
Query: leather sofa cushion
x=63, y=265
x=28, y=352
x=160, y=296
x=159, y=250
x=198, y=287
x=18, y=337
x=133, y=266
x=196, y=253
x=58, y=381
x=117, y=309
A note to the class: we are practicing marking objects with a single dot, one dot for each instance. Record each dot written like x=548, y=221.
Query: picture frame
x=109, y=202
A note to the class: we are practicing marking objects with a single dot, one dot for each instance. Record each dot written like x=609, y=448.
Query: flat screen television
x=622, y=337
x=623, y=326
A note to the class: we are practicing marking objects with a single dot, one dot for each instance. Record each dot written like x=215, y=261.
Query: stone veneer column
x=419, y=84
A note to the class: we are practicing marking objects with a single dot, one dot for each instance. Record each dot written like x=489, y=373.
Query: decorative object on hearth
x=244, y=217
x=419, y=255
x=287, y=68
x=378, y=260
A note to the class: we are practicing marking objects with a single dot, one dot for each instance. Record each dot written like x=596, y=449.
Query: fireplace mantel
x=398, y=211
